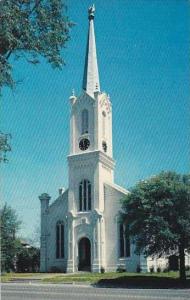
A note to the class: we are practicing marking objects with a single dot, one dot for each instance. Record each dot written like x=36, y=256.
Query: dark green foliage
x=4, y=146
x=29, y=29
x=158, y=214
x=28, y=259
x=120, y=269
x=138, y=270
x=15, y=256
x=9, y=243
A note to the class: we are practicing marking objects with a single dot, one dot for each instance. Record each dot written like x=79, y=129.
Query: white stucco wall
x=57, y=212
x=113, y=195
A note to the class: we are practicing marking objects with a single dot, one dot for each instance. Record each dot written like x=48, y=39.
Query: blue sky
x=143, y=57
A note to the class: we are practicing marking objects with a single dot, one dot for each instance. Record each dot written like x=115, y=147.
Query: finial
x=91, y=11
x=90, y=75
x=72, y=97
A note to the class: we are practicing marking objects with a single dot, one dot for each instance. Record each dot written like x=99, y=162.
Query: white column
x=71, y=259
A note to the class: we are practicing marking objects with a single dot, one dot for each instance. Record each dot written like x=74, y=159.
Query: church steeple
x=91, y=77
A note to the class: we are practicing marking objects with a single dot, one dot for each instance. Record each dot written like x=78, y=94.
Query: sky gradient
x=143, y=58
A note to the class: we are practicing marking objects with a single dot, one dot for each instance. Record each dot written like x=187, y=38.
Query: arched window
x=84, y=195
x=59, y=240
x=84, y=121
x=103, y=124
x=124, y=242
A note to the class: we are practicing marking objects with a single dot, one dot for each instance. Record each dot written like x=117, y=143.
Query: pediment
x=84, y=97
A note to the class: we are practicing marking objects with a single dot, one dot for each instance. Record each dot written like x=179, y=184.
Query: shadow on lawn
x=145, y=282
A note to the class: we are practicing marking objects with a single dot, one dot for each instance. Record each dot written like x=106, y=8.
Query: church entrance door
x=84, y=251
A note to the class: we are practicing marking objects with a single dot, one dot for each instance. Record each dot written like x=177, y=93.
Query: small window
x=84, y=121
x=84, y=195
x=103, y=124
x=124, y=242
x=80, y=196
x=59, y=240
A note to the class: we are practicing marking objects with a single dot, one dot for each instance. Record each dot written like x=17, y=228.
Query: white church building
x=81, y=229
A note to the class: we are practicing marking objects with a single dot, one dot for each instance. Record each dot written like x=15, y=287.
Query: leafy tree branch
x=34, y=27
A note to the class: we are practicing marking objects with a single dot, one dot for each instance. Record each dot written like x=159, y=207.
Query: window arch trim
x=60, y=236
x=85, y=195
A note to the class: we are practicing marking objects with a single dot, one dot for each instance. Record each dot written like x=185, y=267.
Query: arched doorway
x=84, y=252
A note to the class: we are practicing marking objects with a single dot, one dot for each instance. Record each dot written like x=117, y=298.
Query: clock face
x=84, y=144
x=104, y=146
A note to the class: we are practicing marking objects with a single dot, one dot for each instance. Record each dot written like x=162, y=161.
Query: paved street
x=18, y=291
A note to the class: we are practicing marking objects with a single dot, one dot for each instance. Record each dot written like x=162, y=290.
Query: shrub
x=166, y=270
x=121, y=269
x=151, y=269
x=138, y=270
x=102, y=270
x=187, y=268
x=158, y=270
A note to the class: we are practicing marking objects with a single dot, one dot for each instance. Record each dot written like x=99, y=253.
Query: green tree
x=157, y=212
x=29, y=29
x=28, y=259
x=9, y=243
x=4, y=146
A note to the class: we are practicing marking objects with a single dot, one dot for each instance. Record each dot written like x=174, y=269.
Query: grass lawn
x=128, y=280
x=95, y=277
x=140, y=280
x=12, y=276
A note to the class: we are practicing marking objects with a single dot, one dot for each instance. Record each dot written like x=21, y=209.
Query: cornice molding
x=95, y=157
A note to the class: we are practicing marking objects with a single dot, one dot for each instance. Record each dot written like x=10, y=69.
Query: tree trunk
x=182, y=262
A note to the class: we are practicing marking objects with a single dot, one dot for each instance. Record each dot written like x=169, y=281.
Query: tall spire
x=91, y=77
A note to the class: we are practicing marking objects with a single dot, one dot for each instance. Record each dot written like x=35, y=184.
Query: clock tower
x=91, y=123
x=90, y=159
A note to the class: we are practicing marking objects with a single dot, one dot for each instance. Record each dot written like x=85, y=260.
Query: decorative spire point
x=91, y=82
x=72, y=97
x=91, y=12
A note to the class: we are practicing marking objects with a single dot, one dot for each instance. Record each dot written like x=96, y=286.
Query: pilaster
x=44, y=199
x=97, y=243
x=71, y=244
